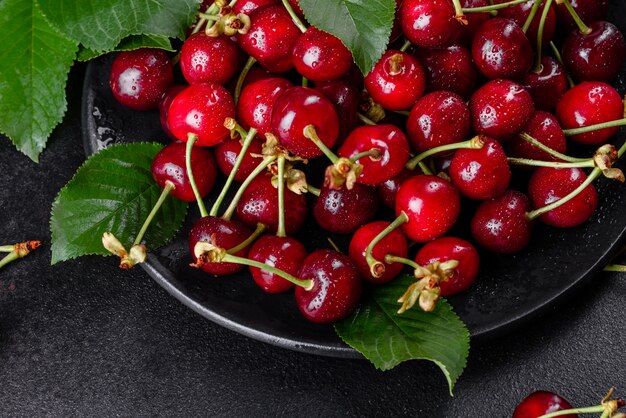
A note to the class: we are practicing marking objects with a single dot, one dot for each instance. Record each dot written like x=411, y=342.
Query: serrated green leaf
x=130, y=43
x=35, y=61
x=363, y=26
x=113, y=191
x=101, y=25
x=388, y=339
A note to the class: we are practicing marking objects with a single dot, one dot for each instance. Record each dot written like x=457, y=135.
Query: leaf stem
x=258, y=170
x=294, y=16
x=169, y=186
x=191, y=139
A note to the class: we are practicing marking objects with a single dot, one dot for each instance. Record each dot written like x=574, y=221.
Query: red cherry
x=590, y=103
x=388, y=140
x=520, y=12
x=345, y=97
x=164, y=107
x=139, y=78
x=295, y=109
x=544, y=127
x=547, y=185
x=396, y=81
x=256, y=102
x=169, y=164
x=336, y=287
x=501, y=50
x=501, y=109
x=474, y=20
x=248, y=6
x=226, y=155
x=547, y=86
x=481, y=173
x=451, y=248
x=430, y=23
x=451, y=69
x=387, y=190
x=296, y=7
x=500, y=224
x=437, y=119
x=206, y=58
x=588, y=10
x=431, y=204
x=393, y=244
x=283, y=253
x=320, y=56
x=201, y=109
x=541, y=403
x=343, y=211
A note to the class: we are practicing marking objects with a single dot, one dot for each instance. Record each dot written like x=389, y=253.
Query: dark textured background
x=83, y=338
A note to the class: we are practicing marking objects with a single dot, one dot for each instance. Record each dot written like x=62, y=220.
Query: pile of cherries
x=464, y=93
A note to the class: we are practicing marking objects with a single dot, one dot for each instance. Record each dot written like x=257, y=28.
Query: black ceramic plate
x=510, y=289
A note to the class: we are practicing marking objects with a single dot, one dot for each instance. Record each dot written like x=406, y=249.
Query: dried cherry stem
x=311, y=133
x=493, y=7
x=536, y=143
x=258, y=170
x=607, y=407
x=169, y=186
x=538, y=67
x=616, y=268
x=17, y=251
x=375, y=154
x=244, y=149
x=294, y=16
x=588, y=163
x=242, y=77
x=531, y=15
x=365, y=119
x=377, y=268
x=281, y=231
x=260, y=228
x=593, y=128
x=475, y=143
x=584, y=29
x=191, y=139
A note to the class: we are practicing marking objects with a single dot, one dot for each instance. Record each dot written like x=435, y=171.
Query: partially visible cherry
x=344, y=210
x=139, y=78
x=540, y=403
x=588, y=10
x=248, y=6
x=320, y=56
x=474, y=20
x=226, y=155
x=336, y=287
x=430, y=23
x=164, y=107
x=520, y=12
x=296, y=7
x=345, y=97
x=207, y=58
x=284, y=253
x=388, y=189
x=254, y=108
x=543, y=127
x=547, y=86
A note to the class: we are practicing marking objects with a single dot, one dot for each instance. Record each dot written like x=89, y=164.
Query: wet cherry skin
x=284, y=253
x=226, y=154
x=254, y=108
x=519, y=13
x=248, y=6
x=387, y=190
x=345, y=97
x=320, y=56
x=474, y=20
x=343, y=211
x=430, y=23
x=206, y=58
x=164, y=106
x=541, y=403
x=588, y=10
x=547, y=86
x=544, y=127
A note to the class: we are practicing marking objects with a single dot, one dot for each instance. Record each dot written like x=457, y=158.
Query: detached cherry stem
x=475, y=143
x=538, y=67
x=584, y=29
x=377, y=268
x=191, y=139
x=281, y=231
x=17, y=251
x=294, y=16
x=242, y=77
x=536, y=143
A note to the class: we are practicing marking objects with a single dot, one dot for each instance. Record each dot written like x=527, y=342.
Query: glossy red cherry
x=391, y=144
x=396, y=81
x=387, y=190
x=345, y=97
x=139, y=78
x=481, y=173
x=544, y=127
x=431, y=204
x=590, y=103
x=169, y=164
x=206, y=58
x=451, y=69
x=254, y=108
x=520, y=12
x=501, y=50
x=501, y=109
x=547, y=185
x=500, y=224
x=201, y=109
x=320, y=56
x=430, y=23
x=164, y=107
x=226, y=154
x=439, y=118
x=393, y=244
x=259, y=204
x=221, y=233
x=294, y=110
x=588, y=10
x=343, y=211
x=451, y=248
x=248, y=6
x=284, y=253
x=596, y=56
x=547, y=86
x=336, y=287
x=541, y=403
x=271, y=38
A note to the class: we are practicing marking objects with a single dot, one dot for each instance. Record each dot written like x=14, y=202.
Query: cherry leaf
x=35, y=61
x=363, y=26
x=130, y=43
x=113, y=191
x=388, y=339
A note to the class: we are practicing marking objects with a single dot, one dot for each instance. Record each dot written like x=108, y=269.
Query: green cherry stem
x=589, y=163
x=587, y=410
x=559, y=58
x=365, y=119
x=616, y=268
x=169, y=186
x=19, y=250
x=375, y=154
x=475, y=143
x=377, y=268
x=584, y=29
x=313, y=190
x=244, y=149
x=531, y=16
x=260, y=228
x=537, y=68
x=294, y=16
x=305, y=82
x=191, y=139
x=311, y=133
x=425, y=169
x=406, y=45
x=242, y=77
x=493, y=7
x=306, y=284
x=593, y=128
x=458, y=12
x=7, y=248
x=390, y=259
x=258, y=170
x=534, y=142
x=280, y=231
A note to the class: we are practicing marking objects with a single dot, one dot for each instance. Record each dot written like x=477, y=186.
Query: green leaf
x=130, y=43
x=113, y=191
x=35, y=60
x=388, y=339
x=101, y=25
x=363, y=26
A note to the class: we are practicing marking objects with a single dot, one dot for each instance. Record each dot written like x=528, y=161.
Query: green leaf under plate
x=100, y=25
x=363, y=26
x=35, y=60
x=130, y=43
x=388, y=339
x=112, y=192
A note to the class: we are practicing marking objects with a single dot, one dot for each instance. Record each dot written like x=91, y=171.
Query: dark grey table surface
x=83, y=338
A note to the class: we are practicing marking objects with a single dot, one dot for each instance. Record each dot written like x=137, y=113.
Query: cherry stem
x=206, y=17
x=242, y=76
x=365, y=119
x=258, y=170
x=584, y=29
x=169, y=186
x=12, y=256
x=374, y=153
x=532, y=141
x=377, y=268
x=587, y=410
x=19, y=250
x=390, y=259
x=616, y=268
x=199, y=25
x=7, y=248
x=559, y=58
x=305, y=82
x=425, y=168
x=313, y=190
x=553, y=164
x=537, y=68
x=458, y=11
x=311, y=133
x=402, y=112
x=593, y=128
x=492, y=7
x=306, y=284
x=334, y=245
x=405, y=46
x=475, y=143
x=281, y=232
x=294, y=16
x=531, y=15
x=260, y=228
x=191, y=139
x=244, y=149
